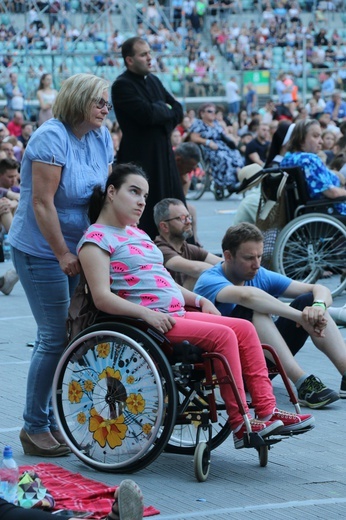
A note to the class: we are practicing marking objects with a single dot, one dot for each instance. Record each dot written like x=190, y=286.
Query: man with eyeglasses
x=147, y=115
x=184, y=261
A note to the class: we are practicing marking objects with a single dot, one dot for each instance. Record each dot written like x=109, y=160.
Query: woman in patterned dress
x=219, y=150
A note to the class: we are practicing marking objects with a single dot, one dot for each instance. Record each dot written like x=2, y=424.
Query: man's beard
x=187, y=234
x=181, y=236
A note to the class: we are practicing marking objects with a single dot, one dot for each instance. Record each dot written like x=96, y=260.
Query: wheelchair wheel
x=114, y=398
x=184, y=436
x=263, y=456
x=218, y=191
x=199, y=183
x=312, y=249
x=201, y=462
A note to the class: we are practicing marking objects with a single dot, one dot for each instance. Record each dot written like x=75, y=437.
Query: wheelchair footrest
x=254, y=440
x=299, y=432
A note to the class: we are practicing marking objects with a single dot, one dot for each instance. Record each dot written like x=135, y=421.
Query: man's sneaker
x=343, y=388
x=338, y=314
x=263, y=428
x=314, y=394
x=293, y=422
x=10, y=279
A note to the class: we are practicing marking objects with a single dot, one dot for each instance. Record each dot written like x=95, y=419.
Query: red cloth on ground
x=73, y=491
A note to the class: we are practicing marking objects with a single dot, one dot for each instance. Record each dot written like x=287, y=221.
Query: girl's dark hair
x=117, y=178
x=277, y=140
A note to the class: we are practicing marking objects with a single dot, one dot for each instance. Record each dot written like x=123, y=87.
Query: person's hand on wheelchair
x=160, y=320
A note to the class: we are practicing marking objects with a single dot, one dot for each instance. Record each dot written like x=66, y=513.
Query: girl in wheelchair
x=124, y=270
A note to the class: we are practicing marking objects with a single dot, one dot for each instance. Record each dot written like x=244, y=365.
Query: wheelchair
x=202, y=181
x=122, y=394
x=311, y=245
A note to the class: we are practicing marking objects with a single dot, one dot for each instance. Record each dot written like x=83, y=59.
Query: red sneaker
x=264, y=428
x=293, y=422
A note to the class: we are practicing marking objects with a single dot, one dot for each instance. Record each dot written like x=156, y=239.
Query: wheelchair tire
x=199, y=184
x=312, y=249
x=201, y=461
x=184, y=436
x=114, y=398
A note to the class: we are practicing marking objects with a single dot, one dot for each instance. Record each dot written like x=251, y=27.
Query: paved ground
x=305, y=477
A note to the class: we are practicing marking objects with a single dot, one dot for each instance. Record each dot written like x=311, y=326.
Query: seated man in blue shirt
x=328, y=85
x=240, y=287
x=336, y=107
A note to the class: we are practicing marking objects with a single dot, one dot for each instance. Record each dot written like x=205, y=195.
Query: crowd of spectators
x=252, y=45
x=191, y=65
x=261, y=124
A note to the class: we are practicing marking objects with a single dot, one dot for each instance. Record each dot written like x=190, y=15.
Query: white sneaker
x=338, y=314
x=10, y=280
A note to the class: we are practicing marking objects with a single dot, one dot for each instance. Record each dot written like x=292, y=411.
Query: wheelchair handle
x=277, y=169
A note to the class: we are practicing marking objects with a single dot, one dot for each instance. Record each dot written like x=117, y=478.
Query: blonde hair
x=76, y=96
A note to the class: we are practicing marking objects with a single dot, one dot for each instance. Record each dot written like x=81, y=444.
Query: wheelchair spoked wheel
x=184, y=436
x=200, y=183
x=263, y=455
x=312, y=249
x=201, y=461
x=114, y=398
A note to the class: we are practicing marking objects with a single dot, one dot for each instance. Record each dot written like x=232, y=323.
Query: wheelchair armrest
x=325, y=201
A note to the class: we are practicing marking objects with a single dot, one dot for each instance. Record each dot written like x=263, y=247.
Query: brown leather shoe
x=58, y=437
x=32, y=448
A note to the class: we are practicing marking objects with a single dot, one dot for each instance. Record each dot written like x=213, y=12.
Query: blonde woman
x=64, y=160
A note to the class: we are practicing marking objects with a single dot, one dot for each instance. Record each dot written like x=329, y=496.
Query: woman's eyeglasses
x=101, y=103
x=183, y=219
x=210, y=111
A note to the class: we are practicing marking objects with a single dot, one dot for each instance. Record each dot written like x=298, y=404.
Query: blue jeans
x=234, y=108
x=48, y=290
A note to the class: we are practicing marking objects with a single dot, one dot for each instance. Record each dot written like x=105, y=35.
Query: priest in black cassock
x=147, y=114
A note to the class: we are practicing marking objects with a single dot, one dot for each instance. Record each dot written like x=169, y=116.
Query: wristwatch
x=319, y=303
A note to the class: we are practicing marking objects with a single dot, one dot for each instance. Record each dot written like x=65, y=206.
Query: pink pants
x=237, y=340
